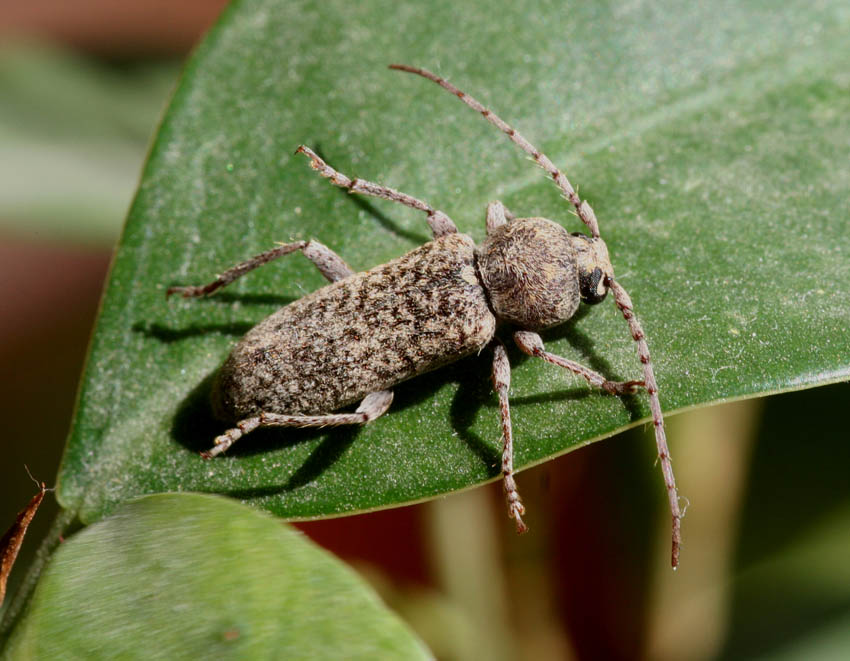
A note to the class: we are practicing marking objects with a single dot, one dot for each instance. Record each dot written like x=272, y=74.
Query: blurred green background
x=765, y=570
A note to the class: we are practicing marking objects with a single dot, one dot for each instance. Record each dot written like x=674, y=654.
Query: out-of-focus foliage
x=71, y=137
x=188, y=576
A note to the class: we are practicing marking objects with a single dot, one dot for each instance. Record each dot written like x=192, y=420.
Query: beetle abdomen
x=362, y=334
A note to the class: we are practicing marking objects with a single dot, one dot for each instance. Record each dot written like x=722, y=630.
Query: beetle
x=356, y=338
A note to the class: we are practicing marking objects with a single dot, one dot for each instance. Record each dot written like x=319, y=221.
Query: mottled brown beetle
x=353, y=340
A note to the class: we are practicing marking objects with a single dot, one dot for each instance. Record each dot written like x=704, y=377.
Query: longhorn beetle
x=354, y=339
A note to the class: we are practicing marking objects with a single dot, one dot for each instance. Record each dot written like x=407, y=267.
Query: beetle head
x=594, y=267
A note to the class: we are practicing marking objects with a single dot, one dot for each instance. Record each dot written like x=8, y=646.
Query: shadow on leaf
x=168, y=334
x=383, y=220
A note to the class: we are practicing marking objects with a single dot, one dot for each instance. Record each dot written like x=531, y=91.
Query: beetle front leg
x=373, y=406
x=502, y=384
x=532, y=344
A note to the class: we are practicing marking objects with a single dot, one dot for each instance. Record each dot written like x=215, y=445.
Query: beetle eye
x=589, y=289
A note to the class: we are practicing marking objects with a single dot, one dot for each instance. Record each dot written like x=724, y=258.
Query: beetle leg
x=326, y=260
x=532, y=344
x=439, y=222
x=502, y=384
x=374, y=405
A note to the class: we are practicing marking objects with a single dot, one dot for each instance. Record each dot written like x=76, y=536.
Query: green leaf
x=711, y=141
x=212, y=579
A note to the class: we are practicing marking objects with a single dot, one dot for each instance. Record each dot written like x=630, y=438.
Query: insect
x=354, y=339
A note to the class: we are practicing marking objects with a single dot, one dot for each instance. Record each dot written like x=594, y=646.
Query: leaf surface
x=185, y=576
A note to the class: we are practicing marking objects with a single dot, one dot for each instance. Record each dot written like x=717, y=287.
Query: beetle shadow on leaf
x=166, y=333
x=332, y=446
x=365, y=205
x=195, y=428
x=170, y=334
x=223, y=296
x=474, y=393
x=386, y=222
x=248, y=298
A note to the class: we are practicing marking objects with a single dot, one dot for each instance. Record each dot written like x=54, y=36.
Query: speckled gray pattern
x=359, y=335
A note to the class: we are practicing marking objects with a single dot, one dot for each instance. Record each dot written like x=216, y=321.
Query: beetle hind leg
x=373, y=406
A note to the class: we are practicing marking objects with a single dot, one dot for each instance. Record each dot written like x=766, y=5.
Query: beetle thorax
x=529, y=267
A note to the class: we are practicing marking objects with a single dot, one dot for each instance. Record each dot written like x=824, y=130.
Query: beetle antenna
x=624, y=303
x=582, y=207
